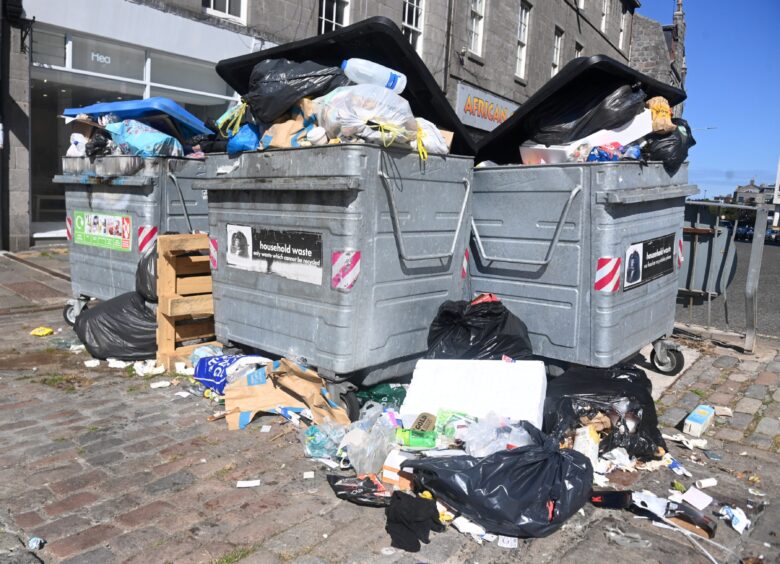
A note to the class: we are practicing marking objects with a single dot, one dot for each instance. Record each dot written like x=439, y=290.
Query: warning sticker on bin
x=296, y=255
x=649, y=260
x=103, y=229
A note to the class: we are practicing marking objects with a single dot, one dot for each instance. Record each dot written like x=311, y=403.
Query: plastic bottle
x=317, y=136
x=361, y=71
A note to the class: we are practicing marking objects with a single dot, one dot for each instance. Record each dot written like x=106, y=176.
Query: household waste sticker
x=103, y=229
x=296, y=255
x=649, y=260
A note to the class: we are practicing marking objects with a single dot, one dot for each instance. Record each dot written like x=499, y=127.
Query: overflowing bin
x=340, y=255
x=586, y=254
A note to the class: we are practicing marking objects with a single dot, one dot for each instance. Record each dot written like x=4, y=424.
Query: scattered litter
x=388, y=551
x=685, y=441
x=697, y=498
x=265, y=429
x=629, y=540
x=35, y=543
x=77, y=348
x=723, y=411
x=675, y=466
x=94, y=363
x=712, y=455
x=248, y=483
x=743, y=453
x=507, y=542
x=739, y=521
x=470, y=528
x=699, y=420
x=160, y=384
x=114, y=363
x=706, y=483
x=364, y=490
x=182, y=394
x=42, y=332
x=308, y=475
x=756, y=492
x=328, y=462
x=148, y=368
x=181, y=368
x=203, y=461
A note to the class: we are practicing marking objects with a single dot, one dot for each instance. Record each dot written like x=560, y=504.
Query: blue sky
x=733, y=85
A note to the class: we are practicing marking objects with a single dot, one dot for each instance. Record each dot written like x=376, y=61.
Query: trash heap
x=302, y=104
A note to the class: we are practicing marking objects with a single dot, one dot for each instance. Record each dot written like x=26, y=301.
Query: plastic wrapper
x=361, y=490
x=247, y=139
x=368, y=112
x=662, y=114
x=577, y=118
x=78, y=145
x=430, y=137
x=624, y=394
x=275, y=85
x=136, y=138
x=322, y=441
x=217, y=371
x=124, y=328
x=672, y=149
x=367, y=450
x=525, y=492
x=493, y=433
x=481, y=330
x=146, y=274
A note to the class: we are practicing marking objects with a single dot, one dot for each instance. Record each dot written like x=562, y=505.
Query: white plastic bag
x=78, y=145
x=369, y=112
x=493, y=433
x=431, y=138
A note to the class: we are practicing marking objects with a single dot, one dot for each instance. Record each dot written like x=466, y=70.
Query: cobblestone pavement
x=108, y=470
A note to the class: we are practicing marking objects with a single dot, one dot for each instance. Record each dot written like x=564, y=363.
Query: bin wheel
x=70, y=314
x=674, y=364
x=349, y=401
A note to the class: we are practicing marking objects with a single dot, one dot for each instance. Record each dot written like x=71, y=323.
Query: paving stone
x=88, y=479
x=768, y=426
x=145, y=514
x=70, y=503
x=171, y=483
x=760, y=441
x=719, y=398
x=727, y=387
x=740, y=420
x=672, y=416
x=756, y=391
x=97, y=556
x=739, y=377
x=60, y=528
x=135, y=541
x=776, y=395
x=774, y=366
x=768, y=378
x=726, y=434
x=725, y=361
x=689, y=401
x=9, y=542
x=772, y=410
x=83, y=540
x=748, y=405
x=750, y=366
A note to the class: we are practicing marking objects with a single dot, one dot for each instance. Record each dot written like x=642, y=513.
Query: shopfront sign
x=481, y=109
x=105, y=57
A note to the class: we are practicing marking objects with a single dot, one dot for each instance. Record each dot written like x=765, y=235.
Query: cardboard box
x=699, y=420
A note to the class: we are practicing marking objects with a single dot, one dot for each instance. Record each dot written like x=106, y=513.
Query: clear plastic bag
x=368, y=442
x=369, y=112
x=493, y=433
x=430, y=137
x=322, y=441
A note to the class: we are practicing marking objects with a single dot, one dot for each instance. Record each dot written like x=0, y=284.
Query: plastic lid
x=344, y=64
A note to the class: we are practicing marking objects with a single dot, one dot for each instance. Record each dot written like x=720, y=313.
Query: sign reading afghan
x=481, y=109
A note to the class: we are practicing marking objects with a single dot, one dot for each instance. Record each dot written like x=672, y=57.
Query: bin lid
x=377, y=39
x=157, y=107
x=598, y=74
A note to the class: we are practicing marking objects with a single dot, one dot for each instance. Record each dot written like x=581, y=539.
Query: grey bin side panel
x=386, y=315
x=710, y=259
x=516, y=210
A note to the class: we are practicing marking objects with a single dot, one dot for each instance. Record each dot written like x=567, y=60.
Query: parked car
x=744, y=233
x=772, y=236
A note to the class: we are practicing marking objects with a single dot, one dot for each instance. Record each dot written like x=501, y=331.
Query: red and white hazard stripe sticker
x=607, y=275
x=464, y=269
x=69, y=228
x=213, y=252
x=345, y=269
x=680, y=257
x=147, y=235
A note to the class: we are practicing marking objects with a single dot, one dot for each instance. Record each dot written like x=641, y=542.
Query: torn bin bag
x=481, y=330
x=275, y=85
x=146, y=274
x=624, y=394
x=123, y=328
x=525, y=492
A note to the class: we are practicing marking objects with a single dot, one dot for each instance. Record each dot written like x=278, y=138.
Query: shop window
x=48, y=48
x=201, y=106
x=103, y=57
x=175, y=71
x=522, y=39
x=476, y=25
x=333, y=14
x=412, y=23
x=230, y=9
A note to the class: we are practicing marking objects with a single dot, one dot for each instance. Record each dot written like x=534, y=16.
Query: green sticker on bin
x=105, y=230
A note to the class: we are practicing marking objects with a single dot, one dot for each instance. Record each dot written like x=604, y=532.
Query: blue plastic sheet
x=136, y=138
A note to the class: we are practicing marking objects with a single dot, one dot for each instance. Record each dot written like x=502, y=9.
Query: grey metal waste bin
x=585, y=254
x=710, y=254
x=339, y=254
x=115, y=208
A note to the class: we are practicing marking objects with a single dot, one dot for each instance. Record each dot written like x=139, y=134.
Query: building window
x=333, y=15
x=229, y=9
x=578, y=50
x=604, y=14
x=412, y=24
x=557, y=48
x=621, y=37
x=522, y=39
x=476, y=23
x=581, y=4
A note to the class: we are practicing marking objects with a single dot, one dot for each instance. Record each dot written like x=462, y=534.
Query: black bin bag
x=671, y=148
x=146, y=274
x=123, y=328
x=624, y=394
x=526, y=492
x=481, y=330
x=276, y=84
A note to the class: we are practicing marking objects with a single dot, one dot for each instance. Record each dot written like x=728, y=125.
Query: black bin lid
x=379, y=40
x=599, y=73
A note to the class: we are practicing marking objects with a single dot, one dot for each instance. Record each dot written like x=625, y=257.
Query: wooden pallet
x=185, y=309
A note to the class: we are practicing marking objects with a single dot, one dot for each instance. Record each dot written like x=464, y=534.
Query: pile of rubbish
x=292, y=105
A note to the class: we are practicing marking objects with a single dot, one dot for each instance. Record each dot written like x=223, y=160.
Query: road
x=768, y=296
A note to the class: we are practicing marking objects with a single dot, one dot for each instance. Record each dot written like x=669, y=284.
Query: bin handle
x=550, y=250
x=181, y=197
x=398, y=233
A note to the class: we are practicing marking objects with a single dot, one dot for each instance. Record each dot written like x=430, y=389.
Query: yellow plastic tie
x=421, y=150
x=387, y=129
x=233, y=122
